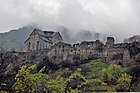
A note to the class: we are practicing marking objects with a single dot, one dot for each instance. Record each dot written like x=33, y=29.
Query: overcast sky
x=119, y=18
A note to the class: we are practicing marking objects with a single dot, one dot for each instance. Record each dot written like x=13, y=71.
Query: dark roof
x=45, y=35
x=49, y=33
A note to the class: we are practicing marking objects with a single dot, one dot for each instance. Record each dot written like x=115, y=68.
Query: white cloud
x=114, y=17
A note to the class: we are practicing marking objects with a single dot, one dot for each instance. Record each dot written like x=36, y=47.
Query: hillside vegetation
x=93, y=76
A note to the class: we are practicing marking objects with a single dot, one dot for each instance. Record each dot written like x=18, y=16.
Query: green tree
x=56, y=85
x=100, y=77
x=75, y=81
x=112, y=76
x=27, y=82
x=105, y=77
x=124, y=82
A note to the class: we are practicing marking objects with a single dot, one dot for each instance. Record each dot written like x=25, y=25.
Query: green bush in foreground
x=109, y=78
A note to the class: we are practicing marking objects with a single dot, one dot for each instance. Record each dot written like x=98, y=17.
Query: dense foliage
x=90, y=77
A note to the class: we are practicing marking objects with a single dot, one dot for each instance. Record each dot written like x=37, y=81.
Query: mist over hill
x=75, y=36
x=14, y=39
x=135, y=38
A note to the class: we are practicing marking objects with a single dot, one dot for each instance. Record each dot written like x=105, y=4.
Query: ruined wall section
x=66, y=52
x=118, y=53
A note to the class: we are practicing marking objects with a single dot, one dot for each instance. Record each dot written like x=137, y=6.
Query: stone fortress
x=59, y=51
x=46, y=48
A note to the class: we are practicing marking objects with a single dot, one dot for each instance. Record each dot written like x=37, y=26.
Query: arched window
x=29, y=45
x=63, y=49
x=37, y=46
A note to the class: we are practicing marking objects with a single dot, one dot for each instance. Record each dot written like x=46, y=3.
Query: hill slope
x=135, y=38
x=14, y=39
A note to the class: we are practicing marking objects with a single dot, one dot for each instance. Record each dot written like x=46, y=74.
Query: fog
x=118, y=18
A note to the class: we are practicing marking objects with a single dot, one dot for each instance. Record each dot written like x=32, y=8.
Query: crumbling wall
x=116, y=55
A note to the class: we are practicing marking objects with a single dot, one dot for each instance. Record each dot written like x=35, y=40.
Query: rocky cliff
x=64, y=55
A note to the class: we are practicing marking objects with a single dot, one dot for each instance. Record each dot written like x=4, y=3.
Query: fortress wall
x=117, y=53
x=65, y=52
x=113, y=55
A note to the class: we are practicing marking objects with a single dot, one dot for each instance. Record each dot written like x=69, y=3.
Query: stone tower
x=110, y=41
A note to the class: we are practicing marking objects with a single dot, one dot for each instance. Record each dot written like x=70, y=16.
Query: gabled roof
x=50, y=34
x=45, y=35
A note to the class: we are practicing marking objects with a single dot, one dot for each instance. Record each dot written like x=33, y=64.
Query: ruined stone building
x=39, y=40
x=109, y=52
x=58, y=51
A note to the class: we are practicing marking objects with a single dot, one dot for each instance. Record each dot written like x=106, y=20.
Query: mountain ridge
x=14, y=39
